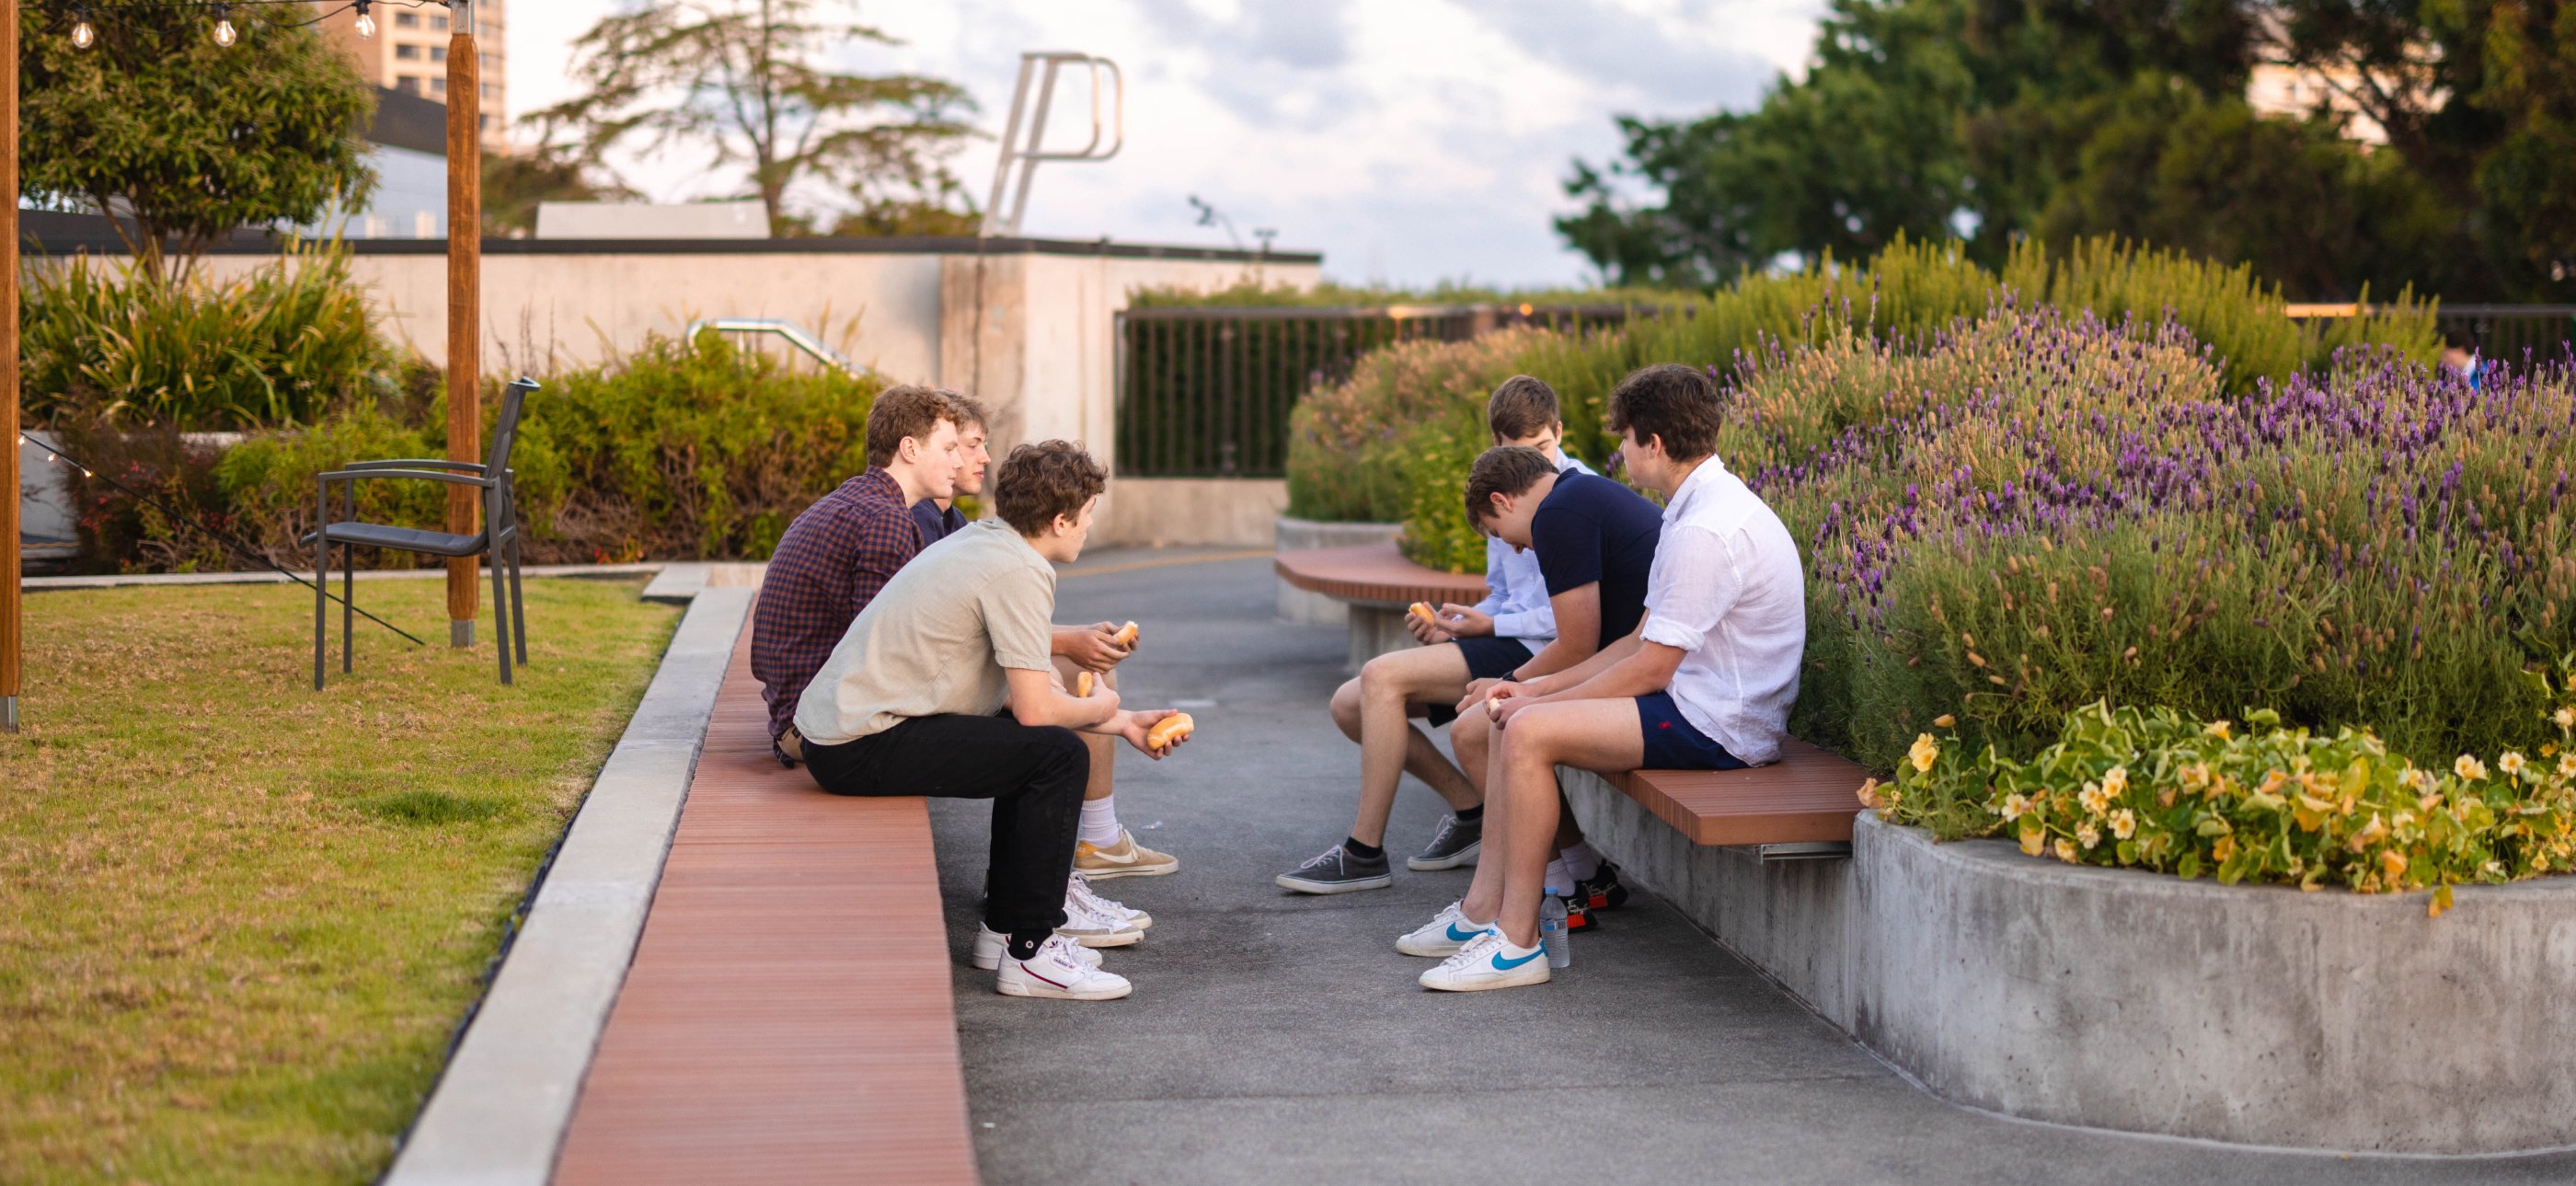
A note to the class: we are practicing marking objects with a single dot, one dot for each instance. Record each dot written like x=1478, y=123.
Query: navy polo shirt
x=1593, y=530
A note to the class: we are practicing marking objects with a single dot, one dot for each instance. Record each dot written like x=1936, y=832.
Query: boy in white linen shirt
x=1704, y=682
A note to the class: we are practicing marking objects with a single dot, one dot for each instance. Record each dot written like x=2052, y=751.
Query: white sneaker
x=1483, y=964
x=1091, y=928
x=1080, y=888
x=1447, y=931
x=1057, y=973
x=990, y=944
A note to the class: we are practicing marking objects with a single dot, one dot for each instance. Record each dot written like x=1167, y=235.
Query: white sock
x=1559, y=880
x=1582, y=861
x=1100, y=821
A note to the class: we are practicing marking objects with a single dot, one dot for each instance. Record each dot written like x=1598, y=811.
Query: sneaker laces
x=1079, y=890
x=1440, y=839
x=1331, y=856
x=1475, y=949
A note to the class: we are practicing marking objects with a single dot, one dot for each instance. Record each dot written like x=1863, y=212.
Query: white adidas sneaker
x=1441, y=937
x=1092, y=928
x=1056, y=972
x=990, y=944
x=1080, y=889
x=1487, y=962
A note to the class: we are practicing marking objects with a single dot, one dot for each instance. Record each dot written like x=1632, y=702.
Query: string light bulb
x=366, y=23
x=84, y=34
x=225, y=34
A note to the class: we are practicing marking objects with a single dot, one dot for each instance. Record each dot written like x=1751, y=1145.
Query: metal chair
x=499, y=538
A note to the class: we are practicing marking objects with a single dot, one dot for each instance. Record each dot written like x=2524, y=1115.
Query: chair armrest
x=475, y=467
x=346, y=475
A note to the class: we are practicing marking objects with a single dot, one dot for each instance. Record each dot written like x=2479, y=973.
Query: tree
x=515, y=185
x=2069, y=118
x=740, y=80
x=189, y=140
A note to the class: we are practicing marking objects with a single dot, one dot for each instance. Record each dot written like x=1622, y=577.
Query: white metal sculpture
x=1108, y=87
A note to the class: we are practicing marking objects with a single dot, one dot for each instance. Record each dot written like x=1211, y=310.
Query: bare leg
x=1390, y=745
x=1474, y=734
x=1104, y=749
x=1591, y=734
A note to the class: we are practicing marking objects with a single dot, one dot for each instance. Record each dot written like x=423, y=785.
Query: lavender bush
x=2026, y=514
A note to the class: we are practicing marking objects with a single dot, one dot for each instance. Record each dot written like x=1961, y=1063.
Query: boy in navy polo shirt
x=1460, y=645
x=1705, y=681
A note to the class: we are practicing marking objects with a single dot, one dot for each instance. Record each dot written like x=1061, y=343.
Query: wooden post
x=10, y=489
x=464, y=303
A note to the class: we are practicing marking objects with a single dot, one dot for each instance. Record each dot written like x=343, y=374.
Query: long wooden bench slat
x=1375, y=574
x=1807, y=796
x=789, y=1014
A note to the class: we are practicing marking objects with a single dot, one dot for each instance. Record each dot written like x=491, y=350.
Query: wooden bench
x=1377, y=583
x=789, y=1013
x=1800, y=807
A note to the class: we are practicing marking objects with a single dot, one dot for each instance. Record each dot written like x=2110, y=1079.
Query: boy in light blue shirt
x=1492, y=639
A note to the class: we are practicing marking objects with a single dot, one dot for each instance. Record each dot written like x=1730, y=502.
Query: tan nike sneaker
x=1123, y=859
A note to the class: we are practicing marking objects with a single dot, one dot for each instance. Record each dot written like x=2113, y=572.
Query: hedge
x=1393, y=442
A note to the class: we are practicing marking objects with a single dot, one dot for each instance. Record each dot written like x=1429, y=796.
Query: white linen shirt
x=1515, y=592
x=1728, y=590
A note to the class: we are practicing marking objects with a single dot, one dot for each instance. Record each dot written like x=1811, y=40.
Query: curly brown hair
x=1668, y=400
x=1038, y=482
x=908, y=410
x=1503, y=469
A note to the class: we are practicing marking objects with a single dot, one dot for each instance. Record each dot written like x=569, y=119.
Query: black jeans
x=1033, y=774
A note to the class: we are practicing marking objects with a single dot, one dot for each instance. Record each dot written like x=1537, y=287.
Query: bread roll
x=1126, y=636
x=1168, y=731
x=1082, y=684
x=1422, y=610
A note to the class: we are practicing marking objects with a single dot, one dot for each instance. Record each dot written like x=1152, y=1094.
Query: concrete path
x=1280, y=1038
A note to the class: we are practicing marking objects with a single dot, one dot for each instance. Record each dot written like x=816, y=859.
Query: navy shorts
x=1488, y=657
x=1673, y=743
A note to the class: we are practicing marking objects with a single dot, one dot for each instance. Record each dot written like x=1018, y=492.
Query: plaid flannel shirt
x=831, y=562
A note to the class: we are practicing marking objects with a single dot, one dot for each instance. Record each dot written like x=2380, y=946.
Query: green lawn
x=239, y=920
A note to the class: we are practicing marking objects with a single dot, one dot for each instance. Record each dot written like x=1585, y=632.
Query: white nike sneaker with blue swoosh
x=1441, y=937
x=1488, y=961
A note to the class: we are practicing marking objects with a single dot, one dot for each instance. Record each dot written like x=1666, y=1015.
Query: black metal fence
x=2511, y=333
x=1204, y=392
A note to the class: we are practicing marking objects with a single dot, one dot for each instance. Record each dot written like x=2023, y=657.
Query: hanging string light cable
x=86, y=13
x=55, y=455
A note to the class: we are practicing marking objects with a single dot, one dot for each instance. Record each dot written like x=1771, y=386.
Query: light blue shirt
x=1515, y=593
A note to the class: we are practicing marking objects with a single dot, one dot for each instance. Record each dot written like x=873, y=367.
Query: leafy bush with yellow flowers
x=2154, y=789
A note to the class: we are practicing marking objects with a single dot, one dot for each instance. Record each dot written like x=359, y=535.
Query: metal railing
x=787, y=331
x=1205, y=391
x=2501, y=333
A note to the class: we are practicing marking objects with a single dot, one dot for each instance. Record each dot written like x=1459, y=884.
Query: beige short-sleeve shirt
x=936, y=639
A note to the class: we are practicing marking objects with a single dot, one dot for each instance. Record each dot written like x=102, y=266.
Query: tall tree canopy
x=1990, y=119
x=744, y=81
x=187, y=139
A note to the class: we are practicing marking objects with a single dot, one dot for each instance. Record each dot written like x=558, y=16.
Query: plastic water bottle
x=1551, y=932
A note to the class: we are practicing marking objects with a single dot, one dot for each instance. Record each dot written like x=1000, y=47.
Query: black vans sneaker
x=1337, y=870
x=1602, y=890
x=1455, y=844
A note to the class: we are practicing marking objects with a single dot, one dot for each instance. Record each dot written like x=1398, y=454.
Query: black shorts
x=1488, y=657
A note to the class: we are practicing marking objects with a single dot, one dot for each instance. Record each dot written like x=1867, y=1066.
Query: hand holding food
x=1126, y=636
x=1169, y=732
x=1082, y=685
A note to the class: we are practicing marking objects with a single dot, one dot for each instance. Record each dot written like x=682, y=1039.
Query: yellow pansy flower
x=2124, y=823
x=1924, y=752
x=2468, y=766
x=2089, y=834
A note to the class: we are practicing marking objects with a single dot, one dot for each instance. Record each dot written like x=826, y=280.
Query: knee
x=1065, y=750
x=1346, y=704
x=1379, y=678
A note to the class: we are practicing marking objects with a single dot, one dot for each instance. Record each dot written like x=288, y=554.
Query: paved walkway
x=1280, y=1038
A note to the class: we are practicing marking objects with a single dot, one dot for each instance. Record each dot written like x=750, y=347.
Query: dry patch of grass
x=239, y=920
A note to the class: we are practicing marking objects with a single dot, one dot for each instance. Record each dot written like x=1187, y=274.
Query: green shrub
x=680, y=451
x=2156, y=789
x=1354, y=452
x=2035, y=514
x=275, y=347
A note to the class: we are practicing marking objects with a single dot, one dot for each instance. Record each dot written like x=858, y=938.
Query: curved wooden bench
x=1377, y=583
x=1801, y=805
x=1375, y=575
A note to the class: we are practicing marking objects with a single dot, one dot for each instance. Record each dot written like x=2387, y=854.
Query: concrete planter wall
x=2144, y=1003
x=1299, y=535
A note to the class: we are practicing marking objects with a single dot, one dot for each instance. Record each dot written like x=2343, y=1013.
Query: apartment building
x=408, y=53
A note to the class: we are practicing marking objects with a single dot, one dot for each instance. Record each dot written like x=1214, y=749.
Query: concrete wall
x=2141, y=1002
x=1160, y=512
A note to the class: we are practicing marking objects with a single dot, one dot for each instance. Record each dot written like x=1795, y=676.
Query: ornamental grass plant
x=2029, y=514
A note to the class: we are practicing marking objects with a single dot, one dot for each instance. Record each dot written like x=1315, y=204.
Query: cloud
x=1409, y=141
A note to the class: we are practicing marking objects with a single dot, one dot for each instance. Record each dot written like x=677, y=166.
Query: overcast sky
x=1408, y=140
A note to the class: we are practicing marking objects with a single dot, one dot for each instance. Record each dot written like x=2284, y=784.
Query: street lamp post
x=9, y=449
x=464, y=304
